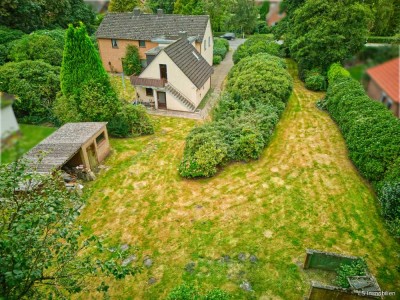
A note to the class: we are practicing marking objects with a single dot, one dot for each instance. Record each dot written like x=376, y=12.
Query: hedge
x=244, y=119
x=372, y=135
x=259, y=43
x=221, y=48
x=383, y=39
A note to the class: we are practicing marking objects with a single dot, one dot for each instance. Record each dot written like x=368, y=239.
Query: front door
x=163, y=72
x=162, y=100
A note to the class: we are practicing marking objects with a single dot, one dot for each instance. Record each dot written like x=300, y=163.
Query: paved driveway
x=236, y=43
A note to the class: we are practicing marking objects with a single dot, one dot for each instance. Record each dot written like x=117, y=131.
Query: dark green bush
x=261, y=43
x=36, y=84
x=390, y=200
x=216, y=294
x=336, y=71
x=131, y=62
x=261, y=75
x=217, y=59
x=356, y=268
x=184, y=292
x=7, y=35
x=315, y=81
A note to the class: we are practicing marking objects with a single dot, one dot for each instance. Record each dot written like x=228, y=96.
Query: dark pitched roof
x=62, y=145
x=148, y=26
x=136, y=80
x=190, y=61
x=387, y=76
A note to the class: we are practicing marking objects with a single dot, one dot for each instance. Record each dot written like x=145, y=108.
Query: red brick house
x=383, y=85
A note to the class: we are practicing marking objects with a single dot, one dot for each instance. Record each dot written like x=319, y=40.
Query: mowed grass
x=30, y=136
x=303, y=193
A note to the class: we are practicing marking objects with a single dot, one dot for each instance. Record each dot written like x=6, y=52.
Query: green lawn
x=31, y=135
x=304, y=192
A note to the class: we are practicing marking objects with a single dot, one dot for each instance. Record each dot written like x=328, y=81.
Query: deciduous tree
x=123, y=5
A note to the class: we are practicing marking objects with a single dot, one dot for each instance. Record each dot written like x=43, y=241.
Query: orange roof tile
x=387, y=77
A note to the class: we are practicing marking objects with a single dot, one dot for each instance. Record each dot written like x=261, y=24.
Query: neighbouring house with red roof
x=384, y=84
x=274, y=15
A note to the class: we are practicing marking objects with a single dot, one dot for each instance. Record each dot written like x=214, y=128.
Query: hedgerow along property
x=200, y=150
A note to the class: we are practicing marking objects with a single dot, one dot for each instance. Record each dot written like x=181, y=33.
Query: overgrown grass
x=31, y=135
x=303, y=193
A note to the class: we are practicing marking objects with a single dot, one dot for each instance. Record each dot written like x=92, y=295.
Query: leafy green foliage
x=87, y=94
x=315, y=81
x=264, y=9
x=38, y=45
x=30, y=15
x=123, y=5
x=261, y=74
x=189, y=7
x=322, y=32
x=244, y=17
x=131, y=62
x=131, y=120
x=166, y=5
x=244, y=120
x=372, y=137
x=7, y=35
x=41, y=244
x=262, y=43
x=36, y=84
x=356, y=268
x=189, y=292
x=217, y=59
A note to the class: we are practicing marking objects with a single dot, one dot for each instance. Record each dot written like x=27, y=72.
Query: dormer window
x=142, y=44
x=114, y=43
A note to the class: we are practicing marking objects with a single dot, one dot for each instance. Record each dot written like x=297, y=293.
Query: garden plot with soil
x=246, y=229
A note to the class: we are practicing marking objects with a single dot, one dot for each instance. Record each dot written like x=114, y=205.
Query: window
x=142, y=44
x=114, y=43
x=205, y=45
x=149, y=92
x=209, y=41
x=101, y=138
x=389, y=103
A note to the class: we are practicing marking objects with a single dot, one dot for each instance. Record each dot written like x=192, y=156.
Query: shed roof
x=149, y=26
x=387, y=76
x=54, y=151
x=190, y=61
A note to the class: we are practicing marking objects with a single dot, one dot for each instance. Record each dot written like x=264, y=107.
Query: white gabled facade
x=206, y=48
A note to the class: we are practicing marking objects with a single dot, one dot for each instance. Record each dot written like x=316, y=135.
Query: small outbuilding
x=83, y=145
x=9, y=125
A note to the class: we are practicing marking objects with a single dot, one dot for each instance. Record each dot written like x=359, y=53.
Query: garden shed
x=82, y=145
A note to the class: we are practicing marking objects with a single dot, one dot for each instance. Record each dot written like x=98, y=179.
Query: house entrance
x=162, y=100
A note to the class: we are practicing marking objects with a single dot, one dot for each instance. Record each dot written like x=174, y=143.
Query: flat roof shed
x=84, y=143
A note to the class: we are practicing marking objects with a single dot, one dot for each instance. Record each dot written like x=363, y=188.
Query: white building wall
x=203, y=91
x=9, y=123
x=207, y=51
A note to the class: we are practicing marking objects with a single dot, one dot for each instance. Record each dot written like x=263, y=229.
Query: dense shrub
x=221, y=47
x=383, y=39
x=7, y=35
x=217, y=59
x=260, y=75
x=189, y=292
x=131, y=62
x=261, y=43
x=34, y=47
x=36, y=85
x=372, y=136
x=244, y=119
x=315, y=81
x=356, y=268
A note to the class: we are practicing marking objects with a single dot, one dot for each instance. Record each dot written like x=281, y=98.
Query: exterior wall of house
x=375, y=92
x=8, y=123
x=203, y=91
x=111, y=57
x=207, y=51
x=175, y=77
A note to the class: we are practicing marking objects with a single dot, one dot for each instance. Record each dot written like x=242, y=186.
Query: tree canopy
x=123, y=5
x=30, y=15
x=325, y=31
x=43, y=255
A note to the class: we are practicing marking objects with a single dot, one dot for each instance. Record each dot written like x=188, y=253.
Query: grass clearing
x=31, y=135
x=127, y=91
x=304, y=192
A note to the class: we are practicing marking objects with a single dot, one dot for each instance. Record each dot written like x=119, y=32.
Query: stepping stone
x=148, y=262
x=253, y=258
x=128, y=260
x=124, y=247
x=152, y=281
x=242, y=256
x=190, y=267
x=245, y=285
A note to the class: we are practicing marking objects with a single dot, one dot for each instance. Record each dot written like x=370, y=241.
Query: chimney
x=160, y=12
x=183, y=34
x=136, y=11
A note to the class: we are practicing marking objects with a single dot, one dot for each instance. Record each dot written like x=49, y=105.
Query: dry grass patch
x=303, y=193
